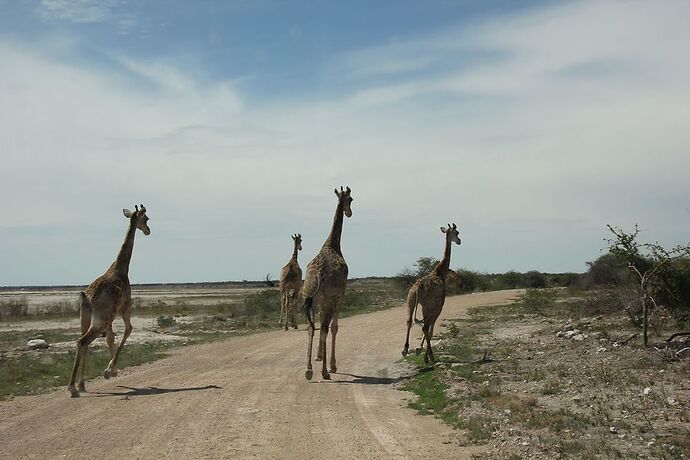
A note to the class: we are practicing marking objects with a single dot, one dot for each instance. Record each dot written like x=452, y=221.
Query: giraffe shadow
x=150, y=391
x=366, y=379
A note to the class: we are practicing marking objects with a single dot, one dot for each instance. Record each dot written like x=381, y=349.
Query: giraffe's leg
x=430, y=350
x=427, y=338
x=110, y=339
x=421, y=344
x=286, y=308
x=79, y=361
x=310, y=330
x=283, y=300
x=334, y=332
x=85, y=318
x=323, y=336
x=320, y=355
x=411, y=304
x=293, y=310
x=82, y=386
x=112, y=366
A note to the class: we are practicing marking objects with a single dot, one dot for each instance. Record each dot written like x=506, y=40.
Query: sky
x=530, y=124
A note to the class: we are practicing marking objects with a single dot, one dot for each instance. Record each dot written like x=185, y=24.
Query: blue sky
x=530, y=124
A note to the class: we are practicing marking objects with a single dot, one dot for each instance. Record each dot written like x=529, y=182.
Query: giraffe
x=290, y=279
x=103, y=299
x=324, y=284
x=430, y=291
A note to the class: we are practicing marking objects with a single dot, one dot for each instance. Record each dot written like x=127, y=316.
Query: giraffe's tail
x=307, y=309
x=413, y=304
x=84, y=301
x=85, y=310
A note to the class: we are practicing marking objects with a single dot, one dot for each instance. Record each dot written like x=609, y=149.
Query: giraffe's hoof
x=326, y=375
x=73, y=392
x=318, y=358
x=109, y=373
x=405, y=352
x=285, y=328
x=82, y=387
x=417, y=351
x=308, y=374
x=334, y=369
x=294, y=326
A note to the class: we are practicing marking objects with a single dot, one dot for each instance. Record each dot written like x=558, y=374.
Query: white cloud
x=89, y=11
x=81, y=11
x=536, y=131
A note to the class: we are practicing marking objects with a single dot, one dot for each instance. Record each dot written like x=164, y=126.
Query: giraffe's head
x=451, y=233
x=138, y=218
x=297, y=238
x=346, y=200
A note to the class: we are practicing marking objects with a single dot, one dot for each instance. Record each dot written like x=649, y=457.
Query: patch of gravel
x=576, y=393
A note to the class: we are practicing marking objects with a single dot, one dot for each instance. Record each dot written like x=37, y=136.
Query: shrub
x=534, y=279
x=673, y=289
x=647, y=262
x=166, y=321
x=535, y=300
x=564, y=279
x=608, y=270
x=263, y=302
x=408, y=276
x=14, y=307
x=357, y=300
x=508, y=280
x=468, y=280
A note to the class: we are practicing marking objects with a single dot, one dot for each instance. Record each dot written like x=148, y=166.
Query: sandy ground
x=245, y=397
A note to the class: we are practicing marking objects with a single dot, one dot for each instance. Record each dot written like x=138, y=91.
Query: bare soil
x=246, y=397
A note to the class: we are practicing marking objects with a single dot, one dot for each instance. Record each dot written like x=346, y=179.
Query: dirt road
x=245, y=397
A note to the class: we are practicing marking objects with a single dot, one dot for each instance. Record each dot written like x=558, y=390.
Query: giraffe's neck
x=333, y=240
x=121, y=264
x=443, y=266
x=294, y=253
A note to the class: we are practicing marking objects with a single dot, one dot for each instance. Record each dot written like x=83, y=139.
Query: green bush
x=536, y=300
x=472, y=281
x=357, y=300
x=166, y=321
x=508, y=280
x=534, y=280
x=672, y=289
x=608, y=270
x=564, y=279
x=266, y=302
x=407, y=276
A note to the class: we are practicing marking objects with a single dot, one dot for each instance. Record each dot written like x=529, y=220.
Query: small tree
x=425, y=265
x=534, y=279
x=470, y=281
x=608, y=270
x=407, y=276
x=645, y=260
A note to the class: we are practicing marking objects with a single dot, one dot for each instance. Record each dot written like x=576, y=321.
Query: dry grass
x=550, y=397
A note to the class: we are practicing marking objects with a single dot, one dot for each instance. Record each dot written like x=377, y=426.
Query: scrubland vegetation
x=563, y=372
x=566, y=373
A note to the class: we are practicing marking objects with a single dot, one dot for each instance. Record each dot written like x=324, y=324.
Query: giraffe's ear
x=127, y=213
x=443, y=230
